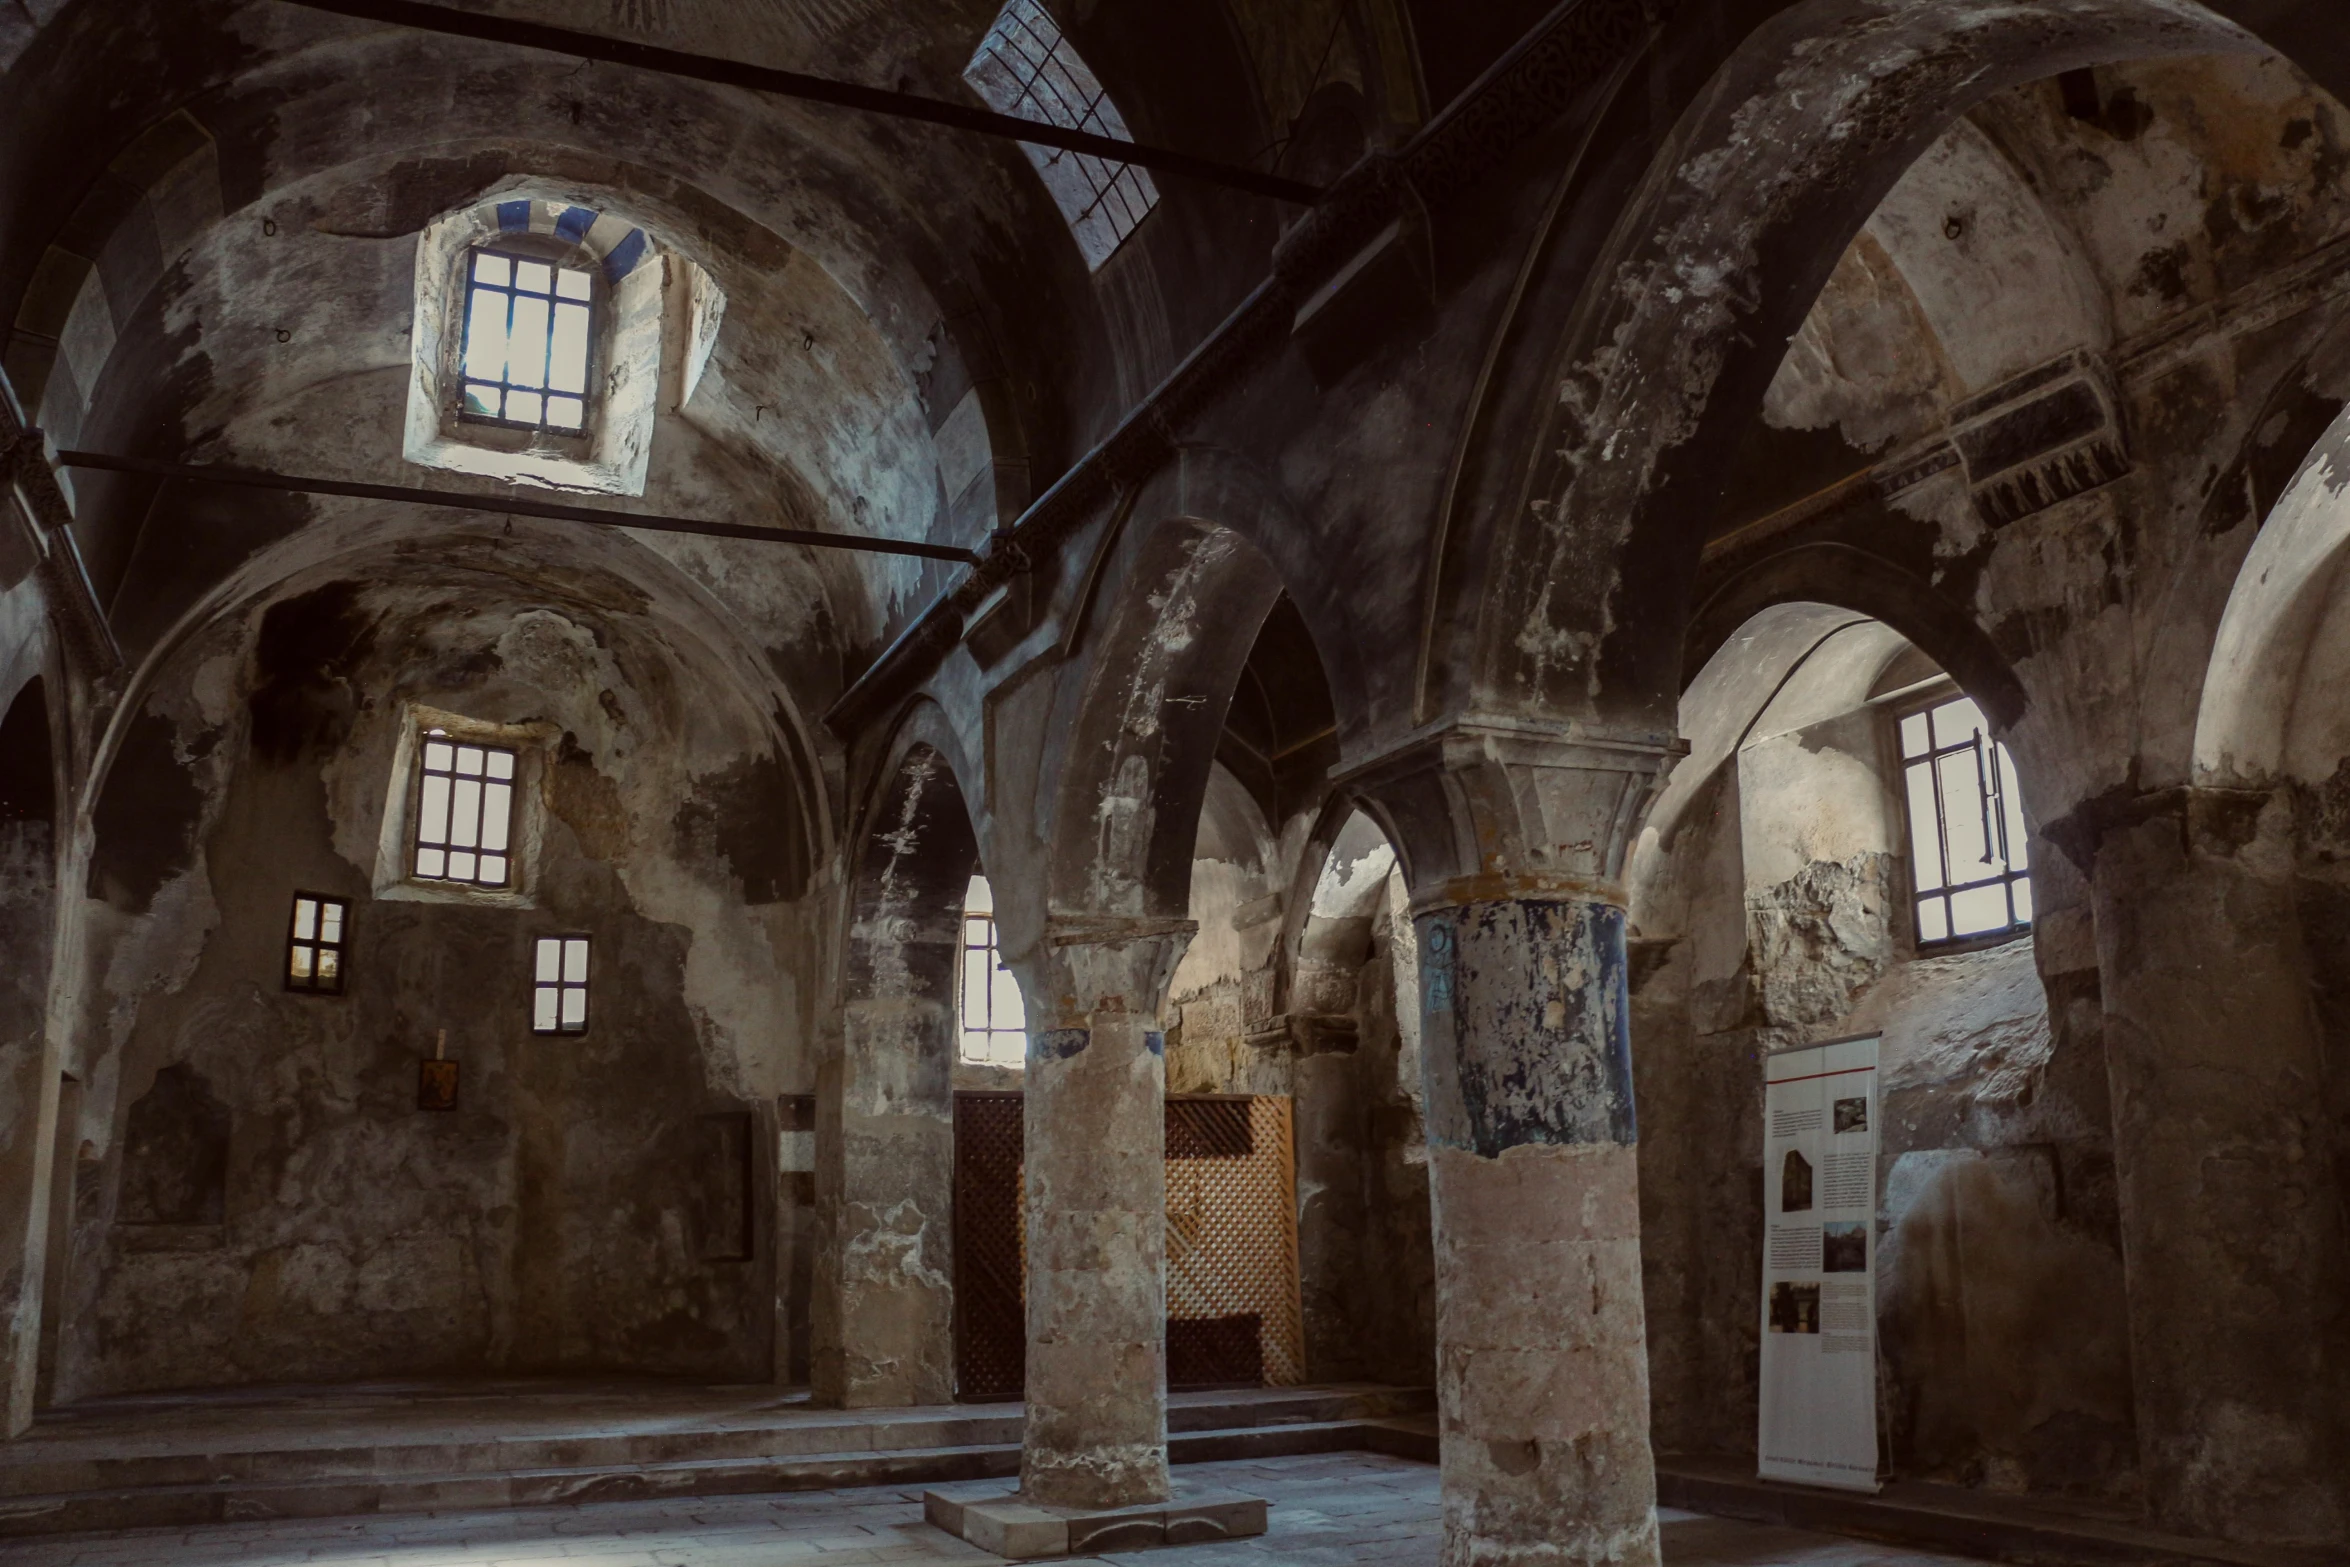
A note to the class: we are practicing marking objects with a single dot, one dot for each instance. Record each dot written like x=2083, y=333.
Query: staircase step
x=887, y=1448
x=32, y=1472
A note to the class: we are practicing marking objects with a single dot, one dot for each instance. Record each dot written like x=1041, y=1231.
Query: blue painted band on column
x=1526, y=1025
x=1059, y=1044
x=1155, y=1042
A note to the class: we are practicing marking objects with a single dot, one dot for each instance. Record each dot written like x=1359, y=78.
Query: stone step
x=1275, y=1432
x=42, y=1469
x=1990, y=1526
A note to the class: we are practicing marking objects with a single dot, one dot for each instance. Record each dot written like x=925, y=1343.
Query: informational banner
x=1819, y=1339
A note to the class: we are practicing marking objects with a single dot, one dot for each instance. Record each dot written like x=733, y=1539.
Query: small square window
x=464, y=812
x=559, y=985
x=314, y=944
x=529, y=328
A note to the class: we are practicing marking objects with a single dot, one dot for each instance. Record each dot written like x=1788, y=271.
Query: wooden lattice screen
x=1232, y=1304
x=991, y=1326
x=1232, y=1279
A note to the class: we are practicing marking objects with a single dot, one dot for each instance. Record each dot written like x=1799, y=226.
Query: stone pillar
x=1514, y=844
x=31, y=966
x=1334, y=1241
x=882, y=1312
x=1095, y=1123
x=882, y=1299
x=2231, y=1194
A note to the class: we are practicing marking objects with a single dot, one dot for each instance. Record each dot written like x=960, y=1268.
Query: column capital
x=1084, y=965
x=1488, y=808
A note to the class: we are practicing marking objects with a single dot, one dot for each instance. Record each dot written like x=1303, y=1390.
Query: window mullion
x=1941, y=822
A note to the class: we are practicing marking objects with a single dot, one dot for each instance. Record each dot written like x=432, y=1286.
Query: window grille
x=527, y=334
x=464, y=812
x=1969, y=860
x=1026, y=67
x=995, y=1021
x=314, y=944
x=559, y=986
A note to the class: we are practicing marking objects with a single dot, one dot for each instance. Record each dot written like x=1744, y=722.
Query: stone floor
x=1327, y=1510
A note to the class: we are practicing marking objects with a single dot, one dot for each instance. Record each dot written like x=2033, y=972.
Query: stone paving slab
x=1327, y=1510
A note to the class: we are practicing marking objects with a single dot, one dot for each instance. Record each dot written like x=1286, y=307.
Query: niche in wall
x=175, y=1153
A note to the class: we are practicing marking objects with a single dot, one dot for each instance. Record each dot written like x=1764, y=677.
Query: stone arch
x=1790, y=148
x=2278, y=642
x=883, y=1309
x=1144, y=729
x=1774, y=896
x=605, y=566
x=1851, y=578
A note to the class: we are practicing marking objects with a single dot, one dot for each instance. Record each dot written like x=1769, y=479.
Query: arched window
x=529, y=325
x=987, y=997
x=1026, y=67
x=1969, y=862
x=538, y=344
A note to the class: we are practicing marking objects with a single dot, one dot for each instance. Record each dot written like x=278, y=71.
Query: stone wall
x=1310, y=993
x=264, y=1200
x=1783, y=919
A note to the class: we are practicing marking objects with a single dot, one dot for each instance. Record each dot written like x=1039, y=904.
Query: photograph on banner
x=1818, y=1400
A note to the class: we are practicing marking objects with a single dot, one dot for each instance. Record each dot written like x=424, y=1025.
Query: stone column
x=1095, y=1123
x=2230, y=1185
x=1514, y=844
x=882, y=1300
x=33, y=965
x=1334, y=1242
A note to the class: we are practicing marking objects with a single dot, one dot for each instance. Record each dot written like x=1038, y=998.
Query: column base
x=995, y=1517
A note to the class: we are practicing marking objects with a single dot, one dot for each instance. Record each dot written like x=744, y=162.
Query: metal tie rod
x=250, y=479
x=816, y=89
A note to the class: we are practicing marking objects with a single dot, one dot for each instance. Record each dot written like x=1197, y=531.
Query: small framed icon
x=436, y=1085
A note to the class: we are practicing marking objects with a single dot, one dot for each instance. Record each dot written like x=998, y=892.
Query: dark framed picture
x=436, y=1085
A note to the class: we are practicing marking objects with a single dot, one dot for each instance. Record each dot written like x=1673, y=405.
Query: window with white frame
x=1970, y=869
x=314, y=944
x=464, y=812
x=987, y=997
x=1025, y=67
x=559, y=985
x=527, y=335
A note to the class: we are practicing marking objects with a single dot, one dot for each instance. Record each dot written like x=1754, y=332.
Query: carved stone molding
x=1487, y=809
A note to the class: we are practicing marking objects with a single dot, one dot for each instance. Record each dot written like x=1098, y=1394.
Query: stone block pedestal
x=995, y=1517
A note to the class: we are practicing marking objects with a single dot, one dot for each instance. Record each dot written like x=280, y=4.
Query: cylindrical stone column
x=2231, y=1197
x=1542, y=1356
x=1095, y=1124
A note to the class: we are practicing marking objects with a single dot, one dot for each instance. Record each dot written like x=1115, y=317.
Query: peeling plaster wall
x=1777, y=915
x=596, y=1203
x=1320, y=1005
x=1223, y=1036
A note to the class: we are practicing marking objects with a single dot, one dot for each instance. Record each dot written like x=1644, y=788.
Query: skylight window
x=995, y=1021
x=1969, y=861
x=1025, y=67
x=526, y=343
x=464, y=812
